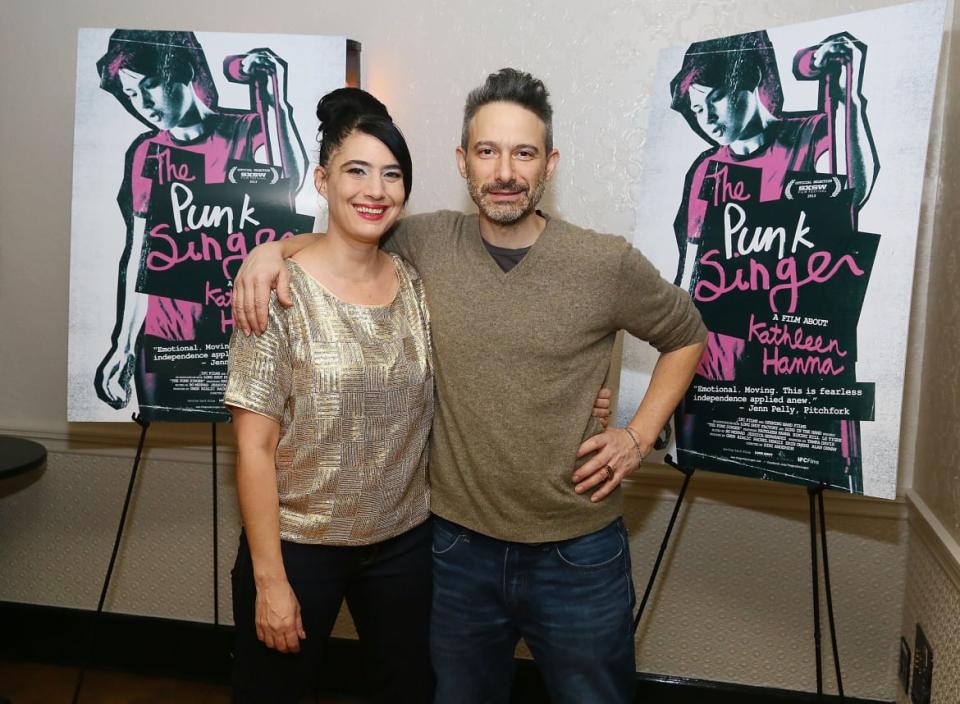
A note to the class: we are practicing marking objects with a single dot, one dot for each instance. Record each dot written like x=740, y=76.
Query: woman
x=332, y=408
x=162, y=79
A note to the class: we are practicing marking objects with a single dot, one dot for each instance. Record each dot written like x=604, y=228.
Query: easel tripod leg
x=815, y=581
x=216, y=545
x=666, y=539
x=144, y=424
x=829, y=592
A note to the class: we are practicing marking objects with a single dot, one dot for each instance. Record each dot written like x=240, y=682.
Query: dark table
x=18, y=456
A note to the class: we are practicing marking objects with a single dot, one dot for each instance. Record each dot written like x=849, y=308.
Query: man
x=529, y=540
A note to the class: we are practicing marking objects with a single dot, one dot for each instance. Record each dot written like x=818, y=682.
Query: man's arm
x=651, y=309
x=621, y=449
x=262, y=271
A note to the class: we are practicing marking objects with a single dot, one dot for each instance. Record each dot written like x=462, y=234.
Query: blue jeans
x=571, y=601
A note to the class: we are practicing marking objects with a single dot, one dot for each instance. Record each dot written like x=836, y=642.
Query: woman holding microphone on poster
x=163, y=80
x=729, y=92
x=332, y=408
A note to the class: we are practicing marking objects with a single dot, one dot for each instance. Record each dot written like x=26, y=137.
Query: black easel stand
x=216, y=571
x=92, y=640
x=817, y=492
x=688, y=473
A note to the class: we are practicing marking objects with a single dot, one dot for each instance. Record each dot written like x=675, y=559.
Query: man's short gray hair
x=511, y=86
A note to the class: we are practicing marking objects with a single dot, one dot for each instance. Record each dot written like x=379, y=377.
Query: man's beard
x=506, y=213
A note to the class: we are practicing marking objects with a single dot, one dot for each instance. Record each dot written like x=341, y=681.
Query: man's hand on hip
x=618, y=453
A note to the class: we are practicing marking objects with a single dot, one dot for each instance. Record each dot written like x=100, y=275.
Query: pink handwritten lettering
x=167, y=171
x=820, y=269
x=724, y=189
x=795, y=339
x=226, y=320
x=776, y=364
x=222, y=298
x=165, y=252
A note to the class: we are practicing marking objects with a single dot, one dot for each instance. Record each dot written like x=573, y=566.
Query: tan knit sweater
x=520, y=357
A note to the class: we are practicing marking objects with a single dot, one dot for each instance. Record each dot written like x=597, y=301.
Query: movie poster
x=781, y=187
x=190, y=148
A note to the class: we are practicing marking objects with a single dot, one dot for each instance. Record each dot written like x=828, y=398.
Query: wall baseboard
x=202, y=652
x=189, y=443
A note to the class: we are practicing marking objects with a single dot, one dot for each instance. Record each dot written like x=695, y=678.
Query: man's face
x=723, y=116
x=506, y=163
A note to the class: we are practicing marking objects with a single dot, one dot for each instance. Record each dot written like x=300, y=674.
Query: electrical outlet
x=905, y=664
x=922, y=668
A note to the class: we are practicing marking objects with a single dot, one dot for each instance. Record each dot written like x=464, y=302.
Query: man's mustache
x=512, y=186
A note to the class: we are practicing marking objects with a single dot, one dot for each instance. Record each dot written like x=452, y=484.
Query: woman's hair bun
x=347, y=109
x=345, y=105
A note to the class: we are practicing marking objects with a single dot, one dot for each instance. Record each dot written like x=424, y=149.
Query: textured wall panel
x=933, y=601
x=58, y=533
x=937, y=473
x=735, y=597
x=733, y=602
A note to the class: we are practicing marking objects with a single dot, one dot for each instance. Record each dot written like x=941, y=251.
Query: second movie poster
x=190, y=149
x=793, y=159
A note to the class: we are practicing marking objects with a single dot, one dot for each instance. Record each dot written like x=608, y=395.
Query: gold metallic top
x=352, y=388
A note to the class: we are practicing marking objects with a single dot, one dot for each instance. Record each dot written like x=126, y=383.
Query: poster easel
x=815, y=495
x=92, y=638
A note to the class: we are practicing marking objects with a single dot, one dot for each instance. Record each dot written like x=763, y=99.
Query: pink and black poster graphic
x=795, y=176
x=190, y=149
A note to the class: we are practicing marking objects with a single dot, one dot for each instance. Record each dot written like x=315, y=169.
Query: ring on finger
x=609, y=473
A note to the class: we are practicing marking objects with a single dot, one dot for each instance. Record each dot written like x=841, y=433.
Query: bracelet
x=636, y=442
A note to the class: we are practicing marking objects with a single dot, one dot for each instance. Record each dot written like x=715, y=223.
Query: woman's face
x=723, y=116
x=363, y=185
x=161, y=103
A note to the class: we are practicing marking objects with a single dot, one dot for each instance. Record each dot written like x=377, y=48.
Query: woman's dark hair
x=346, y=110
x=170, y=56
x=739, y=62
